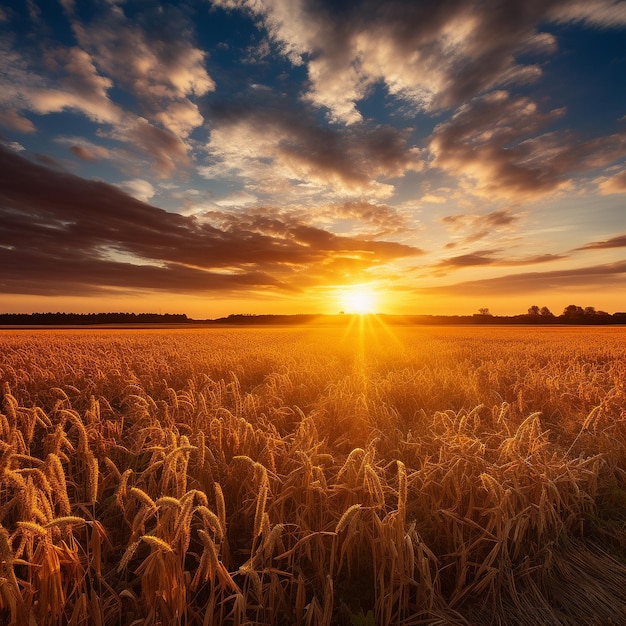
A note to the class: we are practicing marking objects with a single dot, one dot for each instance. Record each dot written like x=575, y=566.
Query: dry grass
x=313, y=476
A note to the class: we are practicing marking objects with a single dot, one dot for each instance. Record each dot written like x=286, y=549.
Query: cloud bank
x=432, y=55
x=76, y=236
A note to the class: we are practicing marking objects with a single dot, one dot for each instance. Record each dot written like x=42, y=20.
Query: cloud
x=472, y=259
x=153, y=56
x=613, y=184
x=382, y=218
x=180, y=117
x=430, y=54
x=53, y=79
x=273, y=148
x=88, y=152
x=83, y=237
x=81, y=87
x=163, y=147
x=143, y=143
x=469, y=228
x=138, y=188
x=495, y=143
x=500, y=217
x=481, y=258
x=611, y=13
x=237, y=199
x=12, y=120
x=12, y=145
x=610, y=275
x=614, y=242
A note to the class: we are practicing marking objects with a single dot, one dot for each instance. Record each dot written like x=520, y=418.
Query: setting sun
x=359, y=299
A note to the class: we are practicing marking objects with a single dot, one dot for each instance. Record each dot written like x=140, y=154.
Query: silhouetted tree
x=573, y=312
x=546, y=312
x=534, y=310
x=484, y=311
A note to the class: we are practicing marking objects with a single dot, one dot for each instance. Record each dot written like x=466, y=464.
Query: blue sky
x=265, y=156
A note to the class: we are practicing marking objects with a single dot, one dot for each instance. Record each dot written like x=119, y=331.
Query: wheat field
x=364, y=476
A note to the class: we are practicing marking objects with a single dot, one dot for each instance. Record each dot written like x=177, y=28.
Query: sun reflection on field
x=369, y=330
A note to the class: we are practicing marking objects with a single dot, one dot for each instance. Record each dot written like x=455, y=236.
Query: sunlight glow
x=360, y=299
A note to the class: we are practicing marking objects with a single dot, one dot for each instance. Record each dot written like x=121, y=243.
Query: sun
x=360, y=299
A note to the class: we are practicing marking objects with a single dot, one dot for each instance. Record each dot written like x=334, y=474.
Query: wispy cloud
x=597, y=12
x=609, y=275
x=469, y=228
x=496, y=258
x=613, y=242
x=613, y=184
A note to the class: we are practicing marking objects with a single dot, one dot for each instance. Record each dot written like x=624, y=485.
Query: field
x=361, y=476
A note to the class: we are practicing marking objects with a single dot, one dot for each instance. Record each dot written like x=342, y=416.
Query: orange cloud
x=613, y=184
x=613, y=242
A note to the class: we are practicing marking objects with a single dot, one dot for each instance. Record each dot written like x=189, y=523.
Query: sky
x=275, y=156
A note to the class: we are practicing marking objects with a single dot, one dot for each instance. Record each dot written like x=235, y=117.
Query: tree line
x=80, y=319
x=572, y=314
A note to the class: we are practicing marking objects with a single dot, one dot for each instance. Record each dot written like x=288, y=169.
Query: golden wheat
x=313, y=476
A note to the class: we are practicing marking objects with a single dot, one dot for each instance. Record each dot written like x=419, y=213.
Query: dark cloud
x=495, y=142
x=613, y=242
x=48, y=161
x=64, y=234
x=251, y=140
x=163, y=146
x=610, y=275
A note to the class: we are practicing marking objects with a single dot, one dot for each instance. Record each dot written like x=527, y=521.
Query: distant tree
x=573, y=312
x=484, y=311
x=590, y=310
x=546, y=312
x=534, y=310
